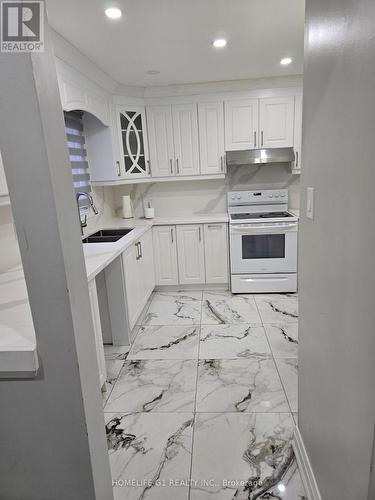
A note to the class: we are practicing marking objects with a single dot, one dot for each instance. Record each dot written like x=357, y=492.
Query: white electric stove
x=263, y=242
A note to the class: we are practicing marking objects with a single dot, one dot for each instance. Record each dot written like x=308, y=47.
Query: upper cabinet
x=211, y=137
x=298, y=136
x=276, y=122
x=241, y=124
x=259, y=123
x=185, y=135
x=160, y=135
x=131, y=125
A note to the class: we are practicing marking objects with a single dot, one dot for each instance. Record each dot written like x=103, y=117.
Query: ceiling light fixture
x=219, y=43
x=281, y=487
x=113, y=13
x=285, y=61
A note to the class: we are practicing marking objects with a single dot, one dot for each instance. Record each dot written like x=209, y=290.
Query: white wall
x=9, y=250
x=336, y=258
x=187, y=197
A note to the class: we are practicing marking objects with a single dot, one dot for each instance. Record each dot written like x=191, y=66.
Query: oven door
x=264, y=248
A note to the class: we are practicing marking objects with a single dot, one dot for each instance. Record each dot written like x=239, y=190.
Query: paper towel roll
x=127, y=209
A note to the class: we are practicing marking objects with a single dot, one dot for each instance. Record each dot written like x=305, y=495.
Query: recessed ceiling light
x=153, y=72
x=113, y=13
x=219, y=43
x=285, y=61
x=281, y=487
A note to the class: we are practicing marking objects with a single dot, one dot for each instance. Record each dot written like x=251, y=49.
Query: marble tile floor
x=204, y=403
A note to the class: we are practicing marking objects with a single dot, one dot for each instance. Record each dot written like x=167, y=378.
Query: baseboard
x=304, y=465
x=192, y=288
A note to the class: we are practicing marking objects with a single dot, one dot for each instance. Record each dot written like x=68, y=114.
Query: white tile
x=232, y=341
x=154, y=385
x=152, y=450
x=278, y=310
x=239, y=385
x=283, y=339
x=225, y=308
x=113, y=371
x=168, y=308
x=245, y=456
x=288, y=370
x=166, y=342
x=116, y=352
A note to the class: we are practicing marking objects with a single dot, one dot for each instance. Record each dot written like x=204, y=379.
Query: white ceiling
x=175, y=36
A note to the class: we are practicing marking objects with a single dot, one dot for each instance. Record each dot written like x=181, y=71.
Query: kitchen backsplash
x=207, y=196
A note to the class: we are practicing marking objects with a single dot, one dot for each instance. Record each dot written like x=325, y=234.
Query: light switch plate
x=310, y=203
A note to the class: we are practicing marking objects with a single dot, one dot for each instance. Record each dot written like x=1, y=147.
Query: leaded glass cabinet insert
x=133, y=138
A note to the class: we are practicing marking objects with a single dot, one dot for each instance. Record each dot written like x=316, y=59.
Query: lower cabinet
x=139, y=276
x=216, y=253
x=190, y=251
x=97, y=332
x=165, y=255
x=191, y=254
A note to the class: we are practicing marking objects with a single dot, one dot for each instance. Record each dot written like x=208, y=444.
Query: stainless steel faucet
x=79, y=195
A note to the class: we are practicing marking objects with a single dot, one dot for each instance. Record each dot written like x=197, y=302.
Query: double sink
x=107, y=236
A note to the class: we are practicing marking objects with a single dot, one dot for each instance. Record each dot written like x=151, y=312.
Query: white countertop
x=18, y=350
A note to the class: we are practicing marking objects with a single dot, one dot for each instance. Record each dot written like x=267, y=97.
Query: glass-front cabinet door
x=131, y=122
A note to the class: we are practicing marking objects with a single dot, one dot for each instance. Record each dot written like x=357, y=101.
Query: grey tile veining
x=113, y=352
x=113, y=371
x=154, y=386
x=278, y=310
x=283, y=339
x=152, y=452
x=239, y=385
x=169, y=308
x=166, y=342
x=232, y=341
x=224, y=308
x=288, y=370
x=246, y=456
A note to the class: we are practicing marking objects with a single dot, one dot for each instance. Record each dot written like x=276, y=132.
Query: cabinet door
x=296, y=169
x=146, y=264
x=211, y=137
x=165, y=255
x=97, y=332
x=185, y=134
x=131, y=121
x=133, y=285
x=3, y=182
x=216, y=253
x=190, y=250
x=241, y=124
x=160, y=134
x=276, y=122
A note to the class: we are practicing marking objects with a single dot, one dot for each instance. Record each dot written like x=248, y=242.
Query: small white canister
x=127, y=207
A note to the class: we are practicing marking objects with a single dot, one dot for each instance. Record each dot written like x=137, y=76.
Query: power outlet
x=310, y=203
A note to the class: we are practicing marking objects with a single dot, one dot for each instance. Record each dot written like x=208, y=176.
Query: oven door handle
x=263, y=228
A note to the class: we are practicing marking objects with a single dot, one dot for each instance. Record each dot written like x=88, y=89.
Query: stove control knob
x=233, y=197
x=277, y=195
x=270, y=196
x=239, y=197
x=282, y=195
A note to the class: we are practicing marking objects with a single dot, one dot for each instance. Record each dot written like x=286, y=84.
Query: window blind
x=77, y=153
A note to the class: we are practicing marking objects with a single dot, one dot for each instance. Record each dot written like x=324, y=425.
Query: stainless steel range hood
x=260, y=156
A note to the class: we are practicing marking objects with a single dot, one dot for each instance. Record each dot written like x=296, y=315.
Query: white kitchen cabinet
x=190, y=251
x=165, y=255
x=139, y=276
x=185, y=135
x=97, y=332
x=296, y=167
x=211, y=137
x=160, y=135
x=3, y=182
x=241, y=124
x=216, y=253
x=132, y=136
x=276, y=122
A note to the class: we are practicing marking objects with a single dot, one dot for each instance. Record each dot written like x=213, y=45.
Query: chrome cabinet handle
x=172, y=239
x=200, y=233
x=221, y=164
x=177, y=166
x=118, y=168
x=140, y=250
x=296, y=158
x=171, y=163
x=148, y=167
x=255, y=139
x=137, y=251
x=214, y=226
x=262, y=138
